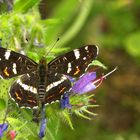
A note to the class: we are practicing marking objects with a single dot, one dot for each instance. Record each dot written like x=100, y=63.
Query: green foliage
x=111, y=24
x=132, y=45
x=2, y=104
x=98, y=63
x=20, y=30
x=24, y=6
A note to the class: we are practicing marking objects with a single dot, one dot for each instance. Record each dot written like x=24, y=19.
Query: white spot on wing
x=28, y=75
x=86, y=48
x=55, y=74
x=14, y=68
x=46, y=104
x=33, y=90
x=7, y=54
x=54, y=84
x=76, y=53
x=26, y=107
x=64, y=58
x=97, y=50
x=35, y=107
x=57, y=101
x=52, y=102
x=11, y=97
x=26, y=87
x=84, y=58
x=69, y=68
x=17, y=104
x=21, y=106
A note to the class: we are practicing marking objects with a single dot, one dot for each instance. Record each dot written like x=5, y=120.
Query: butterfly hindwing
x=56, y=87
x=74, y=63
x=24, y=90
x=13, y=64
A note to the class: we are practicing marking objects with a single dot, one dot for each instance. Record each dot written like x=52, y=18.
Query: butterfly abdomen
x=42, y=69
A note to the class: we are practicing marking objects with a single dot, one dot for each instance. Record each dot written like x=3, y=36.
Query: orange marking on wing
x=62, y=90
x=50, y=96
x=77, y=70
x=6, y=72
x=31, y=101
x=17, y=97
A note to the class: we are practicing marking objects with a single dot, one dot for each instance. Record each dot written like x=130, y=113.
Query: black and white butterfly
x=43, y=82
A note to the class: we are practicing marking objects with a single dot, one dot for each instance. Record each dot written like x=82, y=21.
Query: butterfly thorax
x=42, y=74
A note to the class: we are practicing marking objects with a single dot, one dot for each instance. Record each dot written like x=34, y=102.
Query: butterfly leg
x=64, y=102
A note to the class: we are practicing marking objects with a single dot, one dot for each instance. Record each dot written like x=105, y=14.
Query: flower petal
x=83, y=82
x=64, y=102
x=42, y=127
x=43, y=123
x=89, y=87
x=11, y=134
x=3, y=127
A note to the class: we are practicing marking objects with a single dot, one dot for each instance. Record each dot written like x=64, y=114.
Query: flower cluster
x=10, y=134
x=86, y=83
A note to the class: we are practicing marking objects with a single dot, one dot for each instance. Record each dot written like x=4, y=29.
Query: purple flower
x=84, y=84
x=80, y=86
x=43, y=123
x=64, y=102
x=88, y=82
x=3, y=127
x=42, y=127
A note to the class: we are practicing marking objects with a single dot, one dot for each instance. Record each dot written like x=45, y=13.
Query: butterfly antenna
x=52, y=46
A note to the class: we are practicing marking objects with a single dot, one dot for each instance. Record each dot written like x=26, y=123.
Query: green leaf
x=132, y=44
x=98, y=63
x=23, y=6
x=81, y=115
x=2, y=104
x=68, y=119
x=4, y=88
x=33, y=55
x=77, y=23
x=89, y=112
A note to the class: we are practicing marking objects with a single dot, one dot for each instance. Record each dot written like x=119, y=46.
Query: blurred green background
x=113, y=25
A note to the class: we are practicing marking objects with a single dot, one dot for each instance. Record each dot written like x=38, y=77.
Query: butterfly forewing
x=24, y=90
x=74, y=63
x=13, y=64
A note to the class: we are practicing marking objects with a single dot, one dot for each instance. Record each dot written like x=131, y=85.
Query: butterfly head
x=42, y=61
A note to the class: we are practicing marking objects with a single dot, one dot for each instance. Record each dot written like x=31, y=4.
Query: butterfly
x=43, y=82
